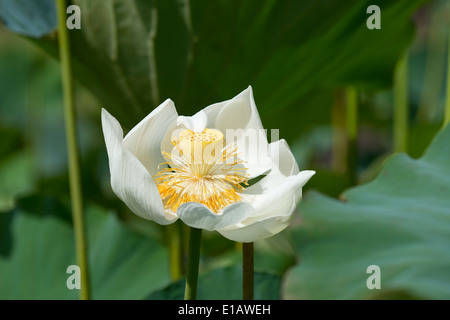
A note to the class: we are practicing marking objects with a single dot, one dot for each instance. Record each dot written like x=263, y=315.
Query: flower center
x=201, y=147
x=204, y=170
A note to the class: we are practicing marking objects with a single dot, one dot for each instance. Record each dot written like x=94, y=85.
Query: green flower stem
x=339, y=144
x=195, y=236
x=447, y=100
x=351, y=114
x=175, y=250
x=401, y=106
x=247, y=271
x=72, y=148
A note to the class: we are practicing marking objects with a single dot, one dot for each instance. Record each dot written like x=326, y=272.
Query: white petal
x=257, y=231
x=273, y=210
x=239, y=113
x=253, y=150
x=281, y=199
x=130, y=180
x=283, y=166
x=144, y=140
x=283, y=158
x=240, y=122
x=212, y=111
x=196, y=123
x=172, y=132
x=170, y=215
x=197, y=215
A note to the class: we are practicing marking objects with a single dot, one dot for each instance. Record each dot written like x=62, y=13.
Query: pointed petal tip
x=196, y=123
x=110, y=124
x=250, y=92
x=166, y=102
x=106, y=116
x=306, y=175
x=310, y=172
x=104, y=111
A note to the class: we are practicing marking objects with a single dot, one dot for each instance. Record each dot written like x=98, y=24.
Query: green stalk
x=339, y=151
x=401, y=106
x=195, y=236
x=447, y=100
x=72, y=149
x=351, y=114
x=247, y=271
x=175, y=250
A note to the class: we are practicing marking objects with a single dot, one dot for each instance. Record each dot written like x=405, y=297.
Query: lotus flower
x=169, y=167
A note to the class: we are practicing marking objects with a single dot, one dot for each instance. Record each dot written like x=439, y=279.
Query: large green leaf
x=400, y=222
x=37, y=246
x=133, y=54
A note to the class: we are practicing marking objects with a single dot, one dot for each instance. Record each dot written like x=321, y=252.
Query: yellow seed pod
x=201, y=147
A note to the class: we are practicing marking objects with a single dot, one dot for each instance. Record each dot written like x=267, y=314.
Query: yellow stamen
x=204, y=171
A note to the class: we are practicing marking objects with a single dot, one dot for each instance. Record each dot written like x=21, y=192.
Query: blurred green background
x=301, y=58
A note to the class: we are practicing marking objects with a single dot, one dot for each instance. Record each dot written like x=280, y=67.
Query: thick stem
x=340, y=147
x=447, y=100
x=175, y=250
x=72, y=149
x=401, y=106
x=247, y=271
x=195, y=237
x=351, y=114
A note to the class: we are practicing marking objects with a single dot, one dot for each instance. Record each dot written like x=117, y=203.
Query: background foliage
x=300, y=57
